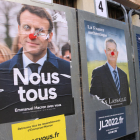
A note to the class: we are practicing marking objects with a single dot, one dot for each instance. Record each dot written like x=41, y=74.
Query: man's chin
x=31, y=52
x=112, y=61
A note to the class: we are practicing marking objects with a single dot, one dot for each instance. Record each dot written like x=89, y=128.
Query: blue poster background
x=110, y=123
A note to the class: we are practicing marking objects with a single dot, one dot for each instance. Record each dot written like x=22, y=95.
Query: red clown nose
x=32, y=36
x=112, y=53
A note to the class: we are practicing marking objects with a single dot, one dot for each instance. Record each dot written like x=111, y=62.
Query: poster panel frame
x=91, y=104
x=134, y=30
x=73, y=122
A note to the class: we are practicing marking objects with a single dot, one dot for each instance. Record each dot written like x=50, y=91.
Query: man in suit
x=109, y=82
x=34, y=83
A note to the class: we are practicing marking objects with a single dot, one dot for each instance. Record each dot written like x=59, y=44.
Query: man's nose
x=32, y=31
x=112, y=53
x=32, y=35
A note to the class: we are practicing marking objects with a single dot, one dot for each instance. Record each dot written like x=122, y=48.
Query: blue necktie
x=116, y=81
x=34, y=67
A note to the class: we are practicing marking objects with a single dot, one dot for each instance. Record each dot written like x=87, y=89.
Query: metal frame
x=74, y=124
x=130, y=21
x=133, y=30
x=116, y=4
x=89, y=117
x=122, y=7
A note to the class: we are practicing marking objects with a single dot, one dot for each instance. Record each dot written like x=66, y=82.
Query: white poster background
x=101, y=8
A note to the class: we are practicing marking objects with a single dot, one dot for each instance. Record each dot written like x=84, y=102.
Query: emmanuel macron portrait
x=34, y=74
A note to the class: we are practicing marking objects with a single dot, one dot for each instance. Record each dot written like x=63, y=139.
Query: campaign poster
x=41, y=129
x=35, y=57
x=107, y=64
x=111, y=123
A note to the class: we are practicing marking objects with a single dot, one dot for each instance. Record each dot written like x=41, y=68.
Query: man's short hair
x=41, y=12
x=111, y=41
x=65, y=48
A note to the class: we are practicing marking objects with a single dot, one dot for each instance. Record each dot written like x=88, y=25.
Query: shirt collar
x=111, y=68
x=17, y=59
x=27, y=61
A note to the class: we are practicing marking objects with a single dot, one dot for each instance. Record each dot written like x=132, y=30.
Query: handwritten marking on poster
x=43, y=129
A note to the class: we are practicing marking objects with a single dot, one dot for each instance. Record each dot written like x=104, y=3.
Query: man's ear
x=117, y=53
x=61, y=56
x=105, y=51
x=50, y=37
x=18, y=30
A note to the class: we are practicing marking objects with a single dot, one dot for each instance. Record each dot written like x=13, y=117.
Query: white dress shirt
x=27, y=61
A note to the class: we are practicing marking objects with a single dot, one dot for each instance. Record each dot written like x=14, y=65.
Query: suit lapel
x=110, y=77
x=48, y=67
x=17, y=62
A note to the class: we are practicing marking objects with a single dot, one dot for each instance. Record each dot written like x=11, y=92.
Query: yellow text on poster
x=52, y=128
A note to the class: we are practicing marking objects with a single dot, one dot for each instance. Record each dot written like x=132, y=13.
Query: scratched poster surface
x=107, y=64
x=35, y=57
x=110, y=123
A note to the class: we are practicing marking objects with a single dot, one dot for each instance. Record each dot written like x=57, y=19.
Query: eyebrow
x=110, y=49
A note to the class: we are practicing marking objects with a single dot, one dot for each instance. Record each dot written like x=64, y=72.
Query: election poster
x=107, y=64
x=42, y=129
x=35, y=57
x=111, y=123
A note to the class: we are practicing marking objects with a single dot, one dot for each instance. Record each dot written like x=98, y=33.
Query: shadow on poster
x=107, y=65
x=35, y=56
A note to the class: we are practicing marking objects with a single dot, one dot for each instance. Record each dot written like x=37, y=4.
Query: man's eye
x=42, y=34
x=26, y=27
x=43, y=31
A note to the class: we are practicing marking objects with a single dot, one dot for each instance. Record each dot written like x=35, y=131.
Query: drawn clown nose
x=112, y=53
x=32, y=36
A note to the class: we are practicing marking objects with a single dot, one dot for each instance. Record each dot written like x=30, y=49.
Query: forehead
x=111, y=45
x=29, y=18
x=67, y=52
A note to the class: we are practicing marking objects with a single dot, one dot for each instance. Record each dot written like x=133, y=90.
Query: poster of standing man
x=107, y=65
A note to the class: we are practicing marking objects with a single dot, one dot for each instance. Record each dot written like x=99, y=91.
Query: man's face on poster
x=29, y=23
x=67, y=56
x=111, y=52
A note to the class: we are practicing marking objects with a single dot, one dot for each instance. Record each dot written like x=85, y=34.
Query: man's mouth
x=32, y=43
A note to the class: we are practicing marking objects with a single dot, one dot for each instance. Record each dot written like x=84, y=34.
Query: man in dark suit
x=109, y=82
x=34, y=83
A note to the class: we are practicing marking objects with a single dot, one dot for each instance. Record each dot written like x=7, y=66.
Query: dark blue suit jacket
x=9, y=97
x=102, y=85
